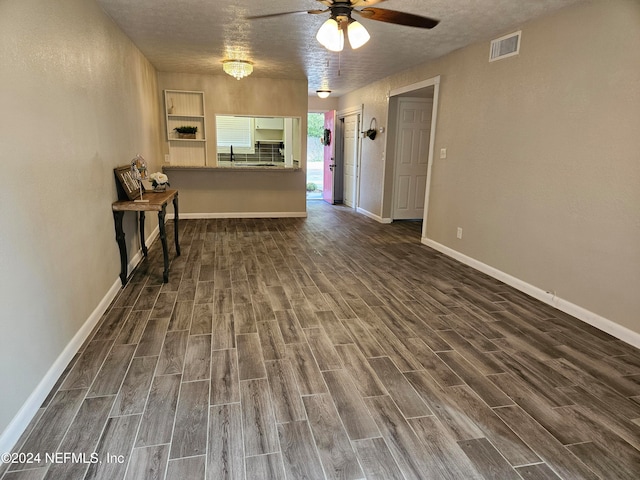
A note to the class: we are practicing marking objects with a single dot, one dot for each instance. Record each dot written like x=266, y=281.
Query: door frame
x=339, y=152
x=435, y=83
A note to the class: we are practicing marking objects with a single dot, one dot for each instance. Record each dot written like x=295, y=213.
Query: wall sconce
x=372, y=132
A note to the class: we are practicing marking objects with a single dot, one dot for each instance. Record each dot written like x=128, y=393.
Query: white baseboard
x=188, y=216
x=29, y=409
x=375, y=217
x=593, y=319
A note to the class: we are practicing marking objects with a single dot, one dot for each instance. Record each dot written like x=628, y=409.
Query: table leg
x=117, y=220
x=175, y=224
x=142, y=242
x=163, y=239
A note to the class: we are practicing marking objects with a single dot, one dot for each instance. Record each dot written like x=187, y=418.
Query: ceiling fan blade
x=365, y=3
x=271, y=15
x=398, y=18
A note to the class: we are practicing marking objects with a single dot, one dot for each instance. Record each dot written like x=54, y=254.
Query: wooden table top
x=155, y=203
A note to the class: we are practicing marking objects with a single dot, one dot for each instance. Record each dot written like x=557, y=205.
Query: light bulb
x=331, y=36
x=357, y=34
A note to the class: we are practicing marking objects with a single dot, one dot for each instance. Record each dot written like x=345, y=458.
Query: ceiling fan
x=331, y=34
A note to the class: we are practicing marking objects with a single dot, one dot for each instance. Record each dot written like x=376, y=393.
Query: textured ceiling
x=194, y=36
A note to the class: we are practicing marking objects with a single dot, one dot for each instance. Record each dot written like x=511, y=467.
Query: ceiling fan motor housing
x=341, y=13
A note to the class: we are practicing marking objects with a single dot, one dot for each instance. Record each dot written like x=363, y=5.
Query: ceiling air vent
x=506, y=46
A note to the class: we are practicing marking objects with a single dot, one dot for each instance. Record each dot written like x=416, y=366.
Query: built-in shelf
x=185, y=108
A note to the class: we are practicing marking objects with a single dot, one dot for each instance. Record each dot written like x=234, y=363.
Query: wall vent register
x=504, y=47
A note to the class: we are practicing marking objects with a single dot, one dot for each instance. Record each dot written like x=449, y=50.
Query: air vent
x=506, y=46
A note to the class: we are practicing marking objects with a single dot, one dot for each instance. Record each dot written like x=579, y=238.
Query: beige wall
x=317, y=104
x=543, y=172
x=77, y=100
x=241, y=192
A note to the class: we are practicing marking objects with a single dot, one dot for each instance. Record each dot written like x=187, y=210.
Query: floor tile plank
x=258, y=419
x=225, y=383
x=190, y=430
x=336, y=454
x=172, y=356
x=225, y=452
x=299, y=451
x=197, y=358
x=308, y=375
x=157, y=423
x=287, y=403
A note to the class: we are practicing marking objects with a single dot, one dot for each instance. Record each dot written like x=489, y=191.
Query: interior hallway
x=335, y=347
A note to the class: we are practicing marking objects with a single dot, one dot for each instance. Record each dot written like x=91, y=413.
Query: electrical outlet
x=459, y=233
x=167, y=158
x=443, y=153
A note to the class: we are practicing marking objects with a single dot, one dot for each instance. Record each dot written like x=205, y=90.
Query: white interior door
x=350, y=155
x=411, y=157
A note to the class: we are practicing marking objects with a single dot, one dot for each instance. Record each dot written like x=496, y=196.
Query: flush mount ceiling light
x=331, y=33
x=323, y=93
x=237, y=68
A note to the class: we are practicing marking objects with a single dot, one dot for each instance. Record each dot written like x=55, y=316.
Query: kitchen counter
x=238, y=166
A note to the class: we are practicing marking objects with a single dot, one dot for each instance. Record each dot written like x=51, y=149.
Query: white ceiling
x=194, y=36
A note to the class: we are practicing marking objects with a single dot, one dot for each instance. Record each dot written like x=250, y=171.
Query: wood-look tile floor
x=334, y=347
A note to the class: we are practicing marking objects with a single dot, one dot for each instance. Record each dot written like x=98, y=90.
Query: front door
x=328, y=191
x=412, y=158
x=350, y=155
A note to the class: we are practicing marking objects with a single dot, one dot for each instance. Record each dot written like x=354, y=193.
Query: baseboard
x=593, y=319
x=375, y=217
x=29, y=409
x=190, y=216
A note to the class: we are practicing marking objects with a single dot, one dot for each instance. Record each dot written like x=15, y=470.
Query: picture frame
x=128, y=186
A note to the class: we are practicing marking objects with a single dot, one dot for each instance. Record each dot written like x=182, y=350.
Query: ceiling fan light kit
x=331, y=33
x=237, y=68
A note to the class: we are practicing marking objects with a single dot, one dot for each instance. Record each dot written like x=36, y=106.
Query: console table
x=157, y=202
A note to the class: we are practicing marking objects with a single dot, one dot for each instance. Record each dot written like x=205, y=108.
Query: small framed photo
x=128, y=186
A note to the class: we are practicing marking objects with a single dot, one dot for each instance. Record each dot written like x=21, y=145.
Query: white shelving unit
x=186, y=108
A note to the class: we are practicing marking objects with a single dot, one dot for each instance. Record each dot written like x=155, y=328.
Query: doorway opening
x=315, y=155
x=410, y=150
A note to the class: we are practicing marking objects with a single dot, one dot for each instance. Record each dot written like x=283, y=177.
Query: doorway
x=315, y=156
x=348, y=155
x=427, y=90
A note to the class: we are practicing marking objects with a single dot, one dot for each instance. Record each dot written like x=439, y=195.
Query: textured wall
x=77, y=100
x=542, y=171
